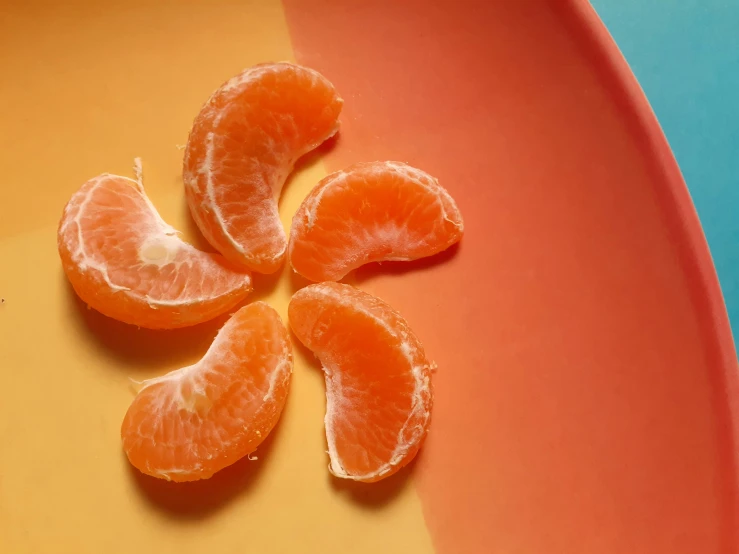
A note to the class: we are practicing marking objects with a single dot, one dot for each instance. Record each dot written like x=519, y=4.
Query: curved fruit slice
x=127, y=263
x=378, y=387
x=242, y=147
x=371, y=212
x=194, y=421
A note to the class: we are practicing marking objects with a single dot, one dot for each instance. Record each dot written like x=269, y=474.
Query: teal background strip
x=685, y=54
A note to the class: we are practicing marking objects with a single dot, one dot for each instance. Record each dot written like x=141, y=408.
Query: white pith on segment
x=409, y=435
x=226, y=95
x=190, y=392
x=154, y=236
x=389, y=237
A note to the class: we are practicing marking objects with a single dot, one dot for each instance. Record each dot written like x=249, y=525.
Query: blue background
x=685, y=54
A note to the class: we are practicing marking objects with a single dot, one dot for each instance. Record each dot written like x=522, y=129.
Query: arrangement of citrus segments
x=123, y=260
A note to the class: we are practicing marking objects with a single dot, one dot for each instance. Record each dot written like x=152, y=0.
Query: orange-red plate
x=587, y=386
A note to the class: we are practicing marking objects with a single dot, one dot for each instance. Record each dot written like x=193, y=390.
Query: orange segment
x=194, y=421
x=378, y=380
x=371, y=212
x=126, y=262
x=242, y=147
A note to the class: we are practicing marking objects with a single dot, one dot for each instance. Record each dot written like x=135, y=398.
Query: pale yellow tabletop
x=84, y=90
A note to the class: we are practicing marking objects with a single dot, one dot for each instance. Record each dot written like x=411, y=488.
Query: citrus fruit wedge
x=371, y=212
x=241, y=149
x=123, y=260
x=378, y=380
x=194, y=421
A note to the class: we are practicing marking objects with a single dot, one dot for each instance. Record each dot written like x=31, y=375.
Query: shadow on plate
x=312, y=158
x=197, y=500
x=369, y=495
x=375, y=495
x=302, y=351
x=189, y=229
x=145, y=349
x=141, y=349
x=297, y=281
x=264, y=285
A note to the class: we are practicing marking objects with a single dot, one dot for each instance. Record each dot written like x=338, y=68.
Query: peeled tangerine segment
x=378, y=380
x=124, y=261
x=243, y=145
x=195, y=421
x=371, y=212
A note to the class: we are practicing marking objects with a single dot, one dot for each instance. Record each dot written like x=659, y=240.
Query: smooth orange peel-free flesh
x=241, y=149
x=193, y=422
x=124, y=261
x=378, y=379
x=371, y=212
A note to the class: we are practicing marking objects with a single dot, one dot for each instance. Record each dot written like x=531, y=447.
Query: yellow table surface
x=84, y=90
